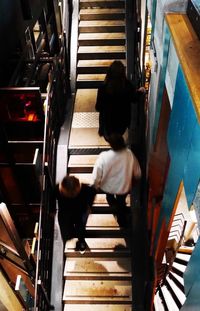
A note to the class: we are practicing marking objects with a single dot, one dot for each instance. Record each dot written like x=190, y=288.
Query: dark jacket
x=73, y=212
x=115, y=109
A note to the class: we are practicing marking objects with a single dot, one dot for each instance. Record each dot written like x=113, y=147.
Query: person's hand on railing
x=142, y=90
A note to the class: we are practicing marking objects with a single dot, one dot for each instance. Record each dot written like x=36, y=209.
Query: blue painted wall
x=184, y=146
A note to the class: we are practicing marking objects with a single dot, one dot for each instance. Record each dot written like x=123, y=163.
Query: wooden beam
x=187, y=47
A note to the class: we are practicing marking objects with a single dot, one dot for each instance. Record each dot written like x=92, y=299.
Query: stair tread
x=102, y=11
x=100, y=199
x=186, y=249
x=101, y=49
x=82, y=160
x=101, y=245
x=180, y=295
x=180, y=267
x=184, y=256
x=101, y=23
x=96, y=266
x=91, y=77
x=101, y=35
x=102, y=221
x=86, y=138
x=98, y=307
x=97, y=62
x=82, y=1
x=169, y=300
x=100, y=290
x=158, y=304
x=179, y=278
x=85, y=100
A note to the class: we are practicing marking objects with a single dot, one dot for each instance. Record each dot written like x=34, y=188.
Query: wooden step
x=88, y=83
x=103, y=210
x=102, y=52
x=102, y=4
x=89, y=80
x=97, y=290
x=91, y=77
x=186, y=249
x=106, y=226
x=81, y=163
x=85, y=100
x=103, y=225
x=98, y=307
x=102, y=14
x=95, y=66
x=87, y=138
x=97, y=268
x=99, y=247
x=115, y=38
x=102, y=222
x=100, y=199
x=102, y=26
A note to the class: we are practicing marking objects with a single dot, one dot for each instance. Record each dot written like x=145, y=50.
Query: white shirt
x=113, y=171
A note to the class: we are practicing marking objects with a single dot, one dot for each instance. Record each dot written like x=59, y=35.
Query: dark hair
x=70, y=186
x=115, y=77
x=116, y=141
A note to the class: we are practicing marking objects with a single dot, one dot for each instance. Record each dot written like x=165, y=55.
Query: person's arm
x=140, y=92
x=97, y=174
x=136, y=169
x=135, y=93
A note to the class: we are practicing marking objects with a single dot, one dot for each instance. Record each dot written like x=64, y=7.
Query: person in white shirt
x=114, y=173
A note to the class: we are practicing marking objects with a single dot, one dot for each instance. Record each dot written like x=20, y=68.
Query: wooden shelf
x=187, y=47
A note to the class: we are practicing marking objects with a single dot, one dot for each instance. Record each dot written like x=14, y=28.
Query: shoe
x=81, y=246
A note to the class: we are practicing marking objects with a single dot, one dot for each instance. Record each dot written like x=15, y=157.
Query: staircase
x=170, y=295
x=101, y=278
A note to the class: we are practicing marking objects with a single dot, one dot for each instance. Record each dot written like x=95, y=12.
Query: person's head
x=70, y=186
x=116, y=141
x=116, y=76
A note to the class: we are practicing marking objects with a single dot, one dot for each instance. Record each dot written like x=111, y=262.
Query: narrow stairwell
x=170, y=294
x=101, y=278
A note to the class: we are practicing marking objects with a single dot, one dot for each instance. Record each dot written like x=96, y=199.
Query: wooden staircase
x=101, y=278
x=102, y=275
x=101, y=40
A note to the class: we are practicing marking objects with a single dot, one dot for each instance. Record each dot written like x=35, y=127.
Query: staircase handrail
x=74, y=44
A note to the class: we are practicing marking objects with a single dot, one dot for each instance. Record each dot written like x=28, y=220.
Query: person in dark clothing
x=74, y=202
x=114, y=100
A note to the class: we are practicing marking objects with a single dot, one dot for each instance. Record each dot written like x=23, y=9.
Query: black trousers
x=118, y=201
x=72, y=226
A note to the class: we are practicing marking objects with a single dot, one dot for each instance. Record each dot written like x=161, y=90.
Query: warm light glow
x=2, y=206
